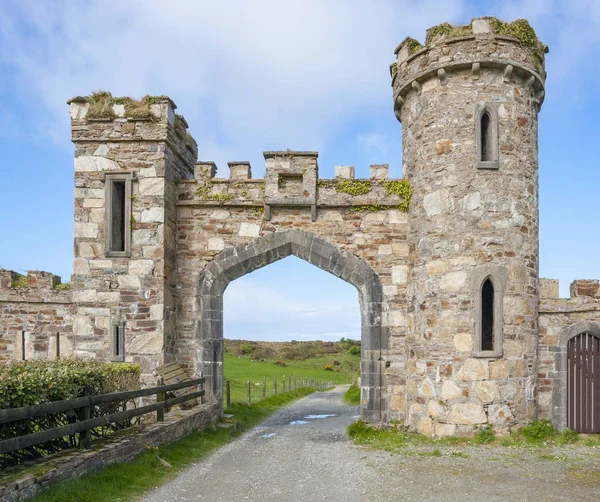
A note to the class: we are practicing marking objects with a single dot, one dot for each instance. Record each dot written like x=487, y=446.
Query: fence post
x=249, y=391
x=264, y=393
x=86, y=414
x=160, y=397
x=274, y=385
x=201, y=388
x=228, y=393
x=283, y=384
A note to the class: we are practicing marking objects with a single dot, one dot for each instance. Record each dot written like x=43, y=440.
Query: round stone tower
x=468, y=101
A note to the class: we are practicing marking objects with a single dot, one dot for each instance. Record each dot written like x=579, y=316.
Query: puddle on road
x=270, y=435
x=311, y=417
x=298, y=422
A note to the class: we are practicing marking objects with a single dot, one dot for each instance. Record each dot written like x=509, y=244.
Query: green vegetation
x=401, y=188
x=63, y=286
x=352, y=395
x=124, y=481
x=413, y=45
x=101, y=106
x=28, y=383
x=393, y=69
x=353, y=187
x=204, y=191
x=519, y=28
x=449, y=30
x=239, y=370
x=539, y=433
x=19, y=281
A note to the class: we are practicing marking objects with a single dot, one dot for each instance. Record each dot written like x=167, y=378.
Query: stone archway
x=235, y=262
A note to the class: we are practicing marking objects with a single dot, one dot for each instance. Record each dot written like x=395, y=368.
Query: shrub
x=27, y=383
x=539, y=430
x=352, y=395
x=484, y=435
x=328, y=367
x=279, y=362
x=336, y=363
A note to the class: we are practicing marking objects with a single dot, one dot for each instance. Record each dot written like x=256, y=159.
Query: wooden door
x=583, y=353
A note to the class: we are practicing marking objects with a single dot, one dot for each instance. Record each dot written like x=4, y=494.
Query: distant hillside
x=291, y=351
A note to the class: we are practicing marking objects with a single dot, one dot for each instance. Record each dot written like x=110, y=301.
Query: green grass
x=538, y=433
x=352, y=395
x=239, y=370
x=124, y=481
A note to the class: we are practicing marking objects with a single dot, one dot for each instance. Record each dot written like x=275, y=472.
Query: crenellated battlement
x=34, y=280
x=291, y=180
x=511, y=51
x=579, y=288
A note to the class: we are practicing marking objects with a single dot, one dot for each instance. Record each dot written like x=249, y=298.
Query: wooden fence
x=84, y=424
x=293, y=382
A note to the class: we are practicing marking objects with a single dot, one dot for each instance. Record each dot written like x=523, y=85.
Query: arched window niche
x=488, y=285
x=486, y=132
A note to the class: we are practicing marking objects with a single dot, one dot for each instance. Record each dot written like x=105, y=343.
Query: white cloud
x=249, y=76
x=268, y=311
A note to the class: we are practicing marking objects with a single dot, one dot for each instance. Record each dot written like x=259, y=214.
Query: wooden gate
x=584, y=383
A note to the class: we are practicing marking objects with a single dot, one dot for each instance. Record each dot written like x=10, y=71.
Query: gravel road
x=301, y=453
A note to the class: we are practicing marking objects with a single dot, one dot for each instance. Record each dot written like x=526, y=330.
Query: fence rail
x=293, y=382
x=85, y=404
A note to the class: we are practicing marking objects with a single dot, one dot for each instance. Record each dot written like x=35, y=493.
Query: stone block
x=466, y=414
x=480, y=26
x=344, y=172
x=498, y=369
x=474, y=369
x=584, y=287
x=153, y=214
x=549, y=288
x=239, y=170
x=427, y=388
x=89, y=163
x=205, y=171
x=86, y=230
x=152, y=186
x=379, y=171
x=500, y=415
x=453, y=281
x=216, y=244
x=141, y=267
x=81, y=266
x=486, y=391
x=450, y=390
x=463, y=342
x=436, y=410
x=425, y=426
x=249, y=230
x=444, y=430
x=129, y=281
x=400, y=274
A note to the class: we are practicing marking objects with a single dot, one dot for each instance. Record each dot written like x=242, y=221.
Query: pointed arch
x=486, y=136
x=488, y=286
x=560, y=393
x=235, y=262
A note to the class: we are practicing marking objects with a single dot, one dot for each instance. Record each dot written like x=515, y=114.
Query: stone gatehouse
x=458, y=329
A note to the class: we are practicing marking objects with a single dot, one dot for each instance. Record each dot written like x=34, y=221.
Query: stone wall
x=35, y=317
x=560, y=320
x=468, y=223
x=124, y=448
x=135, y=290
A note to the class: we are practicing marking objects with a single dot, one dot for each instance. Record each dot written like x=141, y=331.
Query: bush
x=484, y=435
x=279, y=362
x=352, y=395
x=328, y=367
x=28, y=383
x=539, y=430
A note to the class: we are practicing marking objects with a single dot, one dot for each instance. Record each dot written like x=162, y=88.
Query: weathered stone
x=425, y=426
x=463, y=342
x=450, y=390
x=500, y=415
x=249, y=230
x=400, y=274
x=427, y=388
x=474, y=369
x=466, y=413
x=486, y=391
x=436, y=410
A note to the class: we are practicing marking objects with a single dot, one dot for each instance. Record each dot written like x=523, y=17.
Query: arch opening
x=233, y=263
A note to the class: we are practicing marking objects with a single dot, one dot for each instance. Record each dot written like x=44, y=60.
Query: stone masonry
x=418, y=250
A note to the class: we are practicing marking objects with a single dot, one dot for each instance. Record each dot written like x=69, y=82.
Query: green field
x=238, y=370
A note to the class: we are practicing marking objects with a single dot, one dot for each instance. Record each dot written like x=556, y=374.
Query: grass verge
x=126, y=481
x=539, y=433
x=352, y=395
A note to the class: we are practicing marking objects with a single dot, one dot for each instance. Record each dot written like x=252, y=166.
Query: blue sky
x=269, y=75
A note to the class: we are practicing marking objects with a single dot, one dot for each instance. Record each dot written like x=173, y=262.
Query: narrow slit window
x=487, y=315
x=485, y=137
x=118, y=342
x=117, y=210
x=117, y=223
x=57, y=345
x=23, y=354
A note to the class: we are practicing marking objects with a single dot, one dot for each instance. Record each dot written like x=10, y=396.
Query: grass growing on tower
x=124, y=481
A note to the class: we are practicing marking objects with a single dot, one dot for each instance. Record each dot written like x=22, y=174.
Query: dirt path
x=296, y=456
